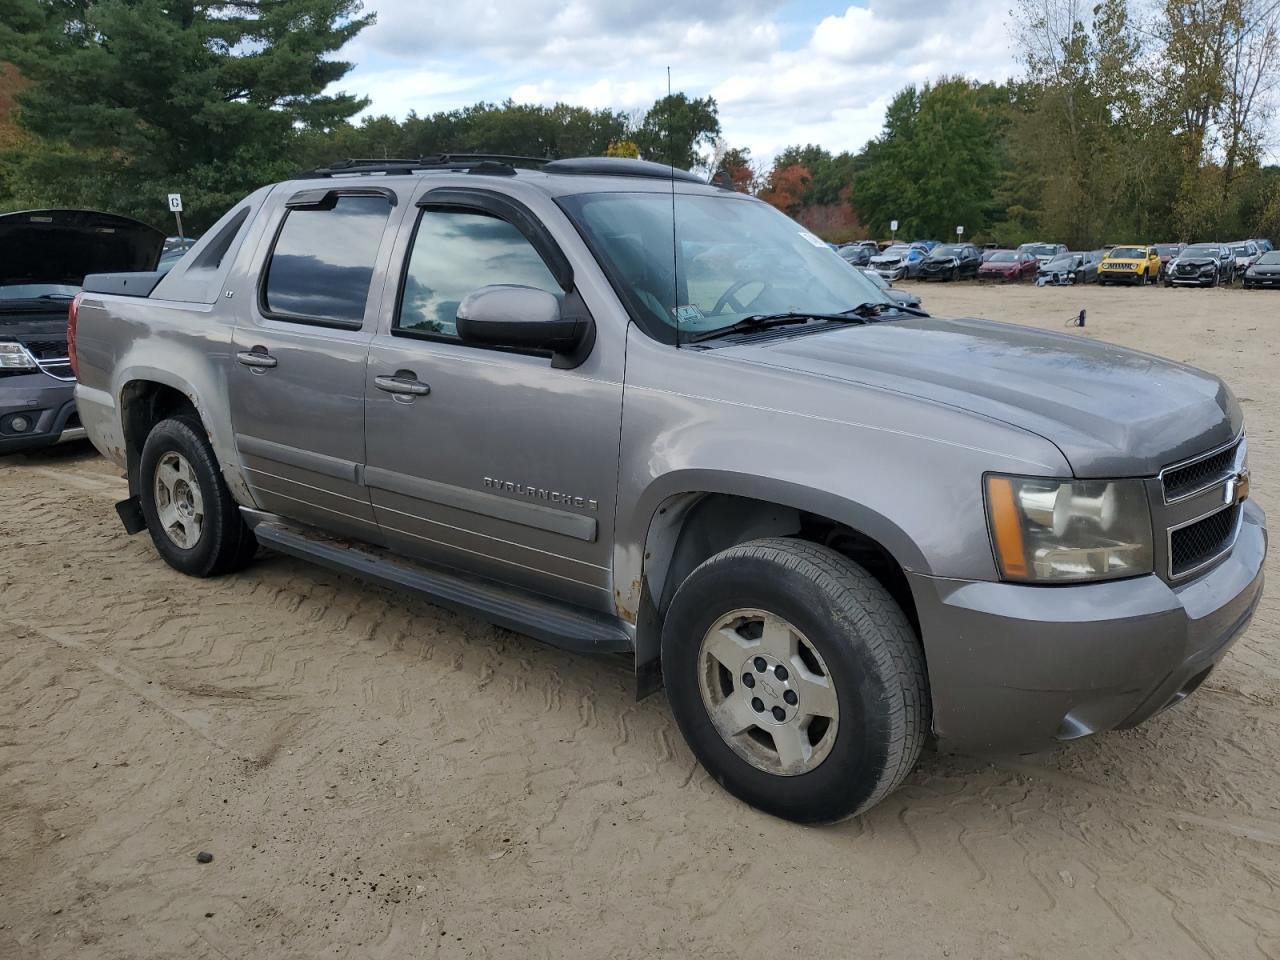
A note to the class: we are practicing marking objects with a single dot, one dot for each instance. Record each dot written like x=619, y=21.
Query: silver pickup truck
x=620, y=410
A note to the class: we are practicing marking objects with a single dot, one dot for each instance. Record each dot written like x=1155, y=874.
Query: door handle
x=403, y=382
x=257, y=357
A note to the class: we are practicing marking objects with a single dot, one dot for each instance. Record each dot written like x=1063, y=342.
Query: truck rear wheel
x=796, y=679
x=191, y=516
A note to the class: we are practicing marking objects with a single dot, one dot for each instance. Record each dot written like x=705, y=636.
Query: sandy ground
x=377, y=778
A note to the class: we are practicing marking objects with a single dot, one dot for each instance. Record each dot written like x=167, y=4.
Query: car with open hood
x=899, y=261
x=1008, y=266
x=44, y=257
x=1201, y=265
x=1135, y=264
x=1263, y=272
x=1244, y=253
x=951, y=261
x=627, y=412
x=1077, y=266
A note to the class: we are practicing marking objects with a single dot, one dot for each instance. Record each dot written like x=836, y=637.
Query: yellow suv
x=1130, y=264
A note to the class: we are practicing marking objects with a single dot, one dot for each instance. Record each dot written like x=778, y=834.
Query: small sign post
x=959, y=232
x=175, y=205
x=893, y=228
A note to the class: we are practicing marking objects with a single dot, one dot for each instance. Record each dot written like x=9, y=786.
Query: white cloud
x=822, y=80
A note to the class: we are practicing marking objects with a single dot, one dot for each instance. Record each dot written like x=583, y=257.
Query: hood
x=1059, y=263
x=62, y=246
x=1113, y=412
x=1000, y=266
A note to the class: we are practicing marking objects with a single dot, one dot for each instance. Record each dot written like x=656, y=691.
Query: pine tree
x=132, y=99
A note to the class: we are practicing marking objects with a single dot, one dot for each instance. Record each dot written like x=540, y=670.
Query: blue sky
x=782, y=72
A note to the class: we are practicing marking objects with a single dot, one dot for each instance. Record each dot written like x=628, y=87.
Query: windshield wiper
x=872, y=310
x=762, y=321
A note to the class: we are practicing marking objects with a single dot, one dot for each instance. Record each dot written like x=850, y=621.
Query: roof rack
x=498, y=163
x=620, y=167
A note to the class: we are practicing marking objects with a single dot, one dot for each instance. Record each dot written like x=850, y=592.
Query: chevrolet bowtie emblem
x=1237, y=488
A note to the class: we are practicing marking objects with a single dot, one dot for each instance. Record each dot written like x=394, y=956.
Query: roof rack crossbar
x=405, y=165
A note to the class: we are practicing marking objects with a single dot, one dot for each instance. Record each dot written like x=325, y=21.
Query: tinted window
x=323, y=261
x=457, y=252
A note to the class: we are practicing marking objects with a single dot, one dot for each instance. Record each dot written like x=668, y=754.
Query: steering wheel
x=728, y=298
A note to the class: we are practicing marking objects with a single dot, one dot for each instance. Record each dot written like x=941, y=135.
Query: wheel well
x=691, y=528
x=143, y=404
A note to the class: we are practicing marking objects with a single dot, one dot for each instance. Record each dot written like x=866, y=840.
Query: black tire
x=225, y=543
x=874, y=660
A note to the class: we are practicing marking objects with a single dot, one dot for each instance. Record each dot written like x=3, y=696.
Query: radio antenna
x=675, y=251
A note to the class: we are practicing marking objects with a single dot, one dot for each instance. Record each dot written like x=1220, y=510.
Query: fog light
x=19, y=424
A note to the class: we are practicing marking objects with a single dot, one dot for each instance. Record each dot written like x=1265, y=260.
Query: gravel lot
x=378, y=778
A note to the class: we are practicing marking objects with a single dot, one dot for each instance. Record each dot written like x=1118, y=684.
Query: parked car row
x=1253, y=262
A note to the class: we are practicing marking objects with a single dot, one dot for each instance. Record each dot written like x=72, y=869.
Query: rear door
x=497, y=463
x=298, y=359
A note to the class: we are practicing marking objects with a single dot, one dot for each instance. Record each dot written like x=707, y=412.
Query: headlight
x=1054, y=531
x=14, y=356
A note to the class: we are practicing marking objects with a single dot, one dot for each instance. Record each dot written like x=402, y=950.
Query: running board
x=567, y=627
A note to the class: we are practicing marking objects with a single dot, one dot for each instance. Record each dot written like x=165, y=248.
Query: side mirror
x=526, y=318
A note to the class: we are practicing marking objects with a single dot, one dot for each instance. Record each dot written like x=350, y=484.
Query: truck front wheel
x=796, y=679
x=191, y=516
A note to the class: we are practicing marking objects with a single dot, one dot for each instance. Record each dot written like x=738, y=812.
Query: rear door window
x=322, y=263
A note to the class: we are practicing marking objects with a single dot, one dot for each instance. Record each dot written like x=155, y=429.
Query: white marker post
x=175, y=205
x=893, y=227
x=959, y=232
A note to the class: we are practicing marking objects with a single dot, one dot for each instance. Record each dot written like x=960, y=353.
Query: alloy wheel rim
x=768, y=692
x=179, y=503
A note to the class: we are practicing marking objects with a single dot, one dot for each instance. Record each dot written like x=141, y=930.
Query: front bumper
x=48, y=401
x=1263, y=280
x=1018, y=669
x=1121, y=276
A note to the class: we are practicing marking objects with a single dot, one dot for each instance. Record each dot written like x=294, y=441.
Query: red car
x=1167, y=252
x=1008, y=265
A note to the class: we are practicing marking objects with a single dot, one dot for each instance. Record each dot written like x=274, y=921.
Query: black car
x=1201, y=265
x=1264, y=272
x=44, y=256
x=951, y=261
x=856, y=253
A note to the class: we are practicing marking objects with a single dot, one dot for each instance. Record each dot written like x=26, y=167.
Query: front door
x=483, y=459
x=297, y=365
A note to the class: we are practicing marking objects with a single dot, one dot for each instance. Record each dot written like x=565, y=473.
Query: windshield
x=1039, y=249
x=1167, y=251
x=1201, y=250
x=897, y=250
x=734, y=258
x=32, y=291
x=1002, y=256
x=1243, y=250
x=1271, y=259
x=853, y=253
x=947, y=251
x=1128, y=253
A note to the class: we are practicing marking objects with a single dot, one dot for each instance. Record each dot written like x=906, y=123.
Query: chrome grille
x=46, y=349
x=1202, y=541
x=1186, y=479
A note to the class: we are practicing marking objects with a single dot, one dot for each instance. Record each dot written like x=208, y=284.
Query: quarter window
x=322, y=263
x=456, y=252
